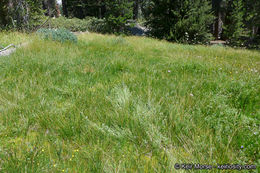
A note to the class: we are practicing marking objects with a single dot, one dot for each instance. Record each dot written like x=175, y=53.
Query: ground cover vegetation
x=126, y=104
x=87, y=102
x=60, y=35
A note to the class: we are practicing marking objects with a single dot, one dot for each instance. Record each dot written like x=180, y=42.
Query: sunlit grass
x=126, y=104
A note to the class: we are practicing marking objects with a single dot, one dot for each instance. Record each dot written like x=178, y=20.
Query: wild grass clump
x=61, y=35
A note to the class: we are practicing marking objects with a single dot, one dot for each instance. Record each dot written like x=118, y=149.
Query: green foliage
x=61, y=35
x=252, y=22
x=116, y=15
x=82, y=8
x=98, y=25
x=91, y=24
x=118, y=12
x=252, y=11
x=20, y=14
x=3, y=12
x=73, y=24
x=234, y=29
x=36, y=14
x=185, y=21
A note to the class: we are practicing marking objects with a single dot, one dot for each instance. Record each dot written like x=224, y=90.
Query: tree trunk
x=65, y=8
x=217, y=6
x=255, y=30
x=99, y=12
x=136, y=9
x=218, y=26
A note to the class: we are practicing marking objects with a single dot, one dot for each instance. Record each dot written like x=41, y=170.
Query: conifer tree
x=253, y=18
x=180, y=20
x=117, y=14
x=234, y=27
x=3, y=13
x=19, y=14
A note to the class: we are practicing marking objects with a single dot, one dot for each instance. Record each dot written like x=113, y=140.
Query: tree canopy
x=191, y=21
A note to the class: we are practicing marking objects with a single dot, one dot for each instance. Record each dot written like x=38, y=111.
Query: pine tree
x=20, y=14
x=50, y=6
x=117, y=14
x=4, y=13
x=234, y=27
x=253, y=18
x=180, y=20
x=219, y=8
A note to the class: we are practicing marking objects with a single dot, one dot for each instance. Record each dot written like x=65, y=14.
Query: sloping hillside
x=126, y=104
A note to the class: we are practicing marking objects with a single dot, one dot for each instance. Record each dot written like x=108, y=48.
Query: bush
x=91, y=24
x=111, y=24
x=73, y=24
x=98, y=25
x=61, y=35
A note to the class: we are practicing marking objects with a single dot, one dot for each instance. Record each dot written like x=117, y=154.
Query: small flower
x=242, y=147
x=42, y=150
x=191, y=95
x=169, y=71
x=255, y=133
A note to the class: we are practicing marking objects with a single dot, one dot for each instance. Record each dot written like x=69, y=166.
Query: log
x=4, y=49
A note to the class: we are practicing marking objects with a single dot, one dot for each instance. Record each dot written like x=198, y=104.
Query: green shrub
x=61, y=35
x=118, y=12
x=91, y=24
x=97, y=25
x=73, y=24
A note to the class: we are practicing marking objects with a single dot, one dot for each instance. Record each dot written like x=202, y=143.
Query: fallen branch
x=4, y=49
x=35, y=29
x=44, y=23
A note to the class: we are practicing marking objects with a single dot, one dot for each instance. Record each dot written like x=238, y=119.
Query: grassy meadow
x=126, y=104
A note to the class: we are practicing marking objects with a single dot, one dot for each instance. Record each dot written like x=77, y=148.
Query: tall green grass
x=126, y=104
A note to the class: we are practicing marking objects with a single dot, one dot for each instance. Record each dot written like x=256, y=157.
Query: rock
x=138, y=30
x=218, y=42
x=7, y=52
